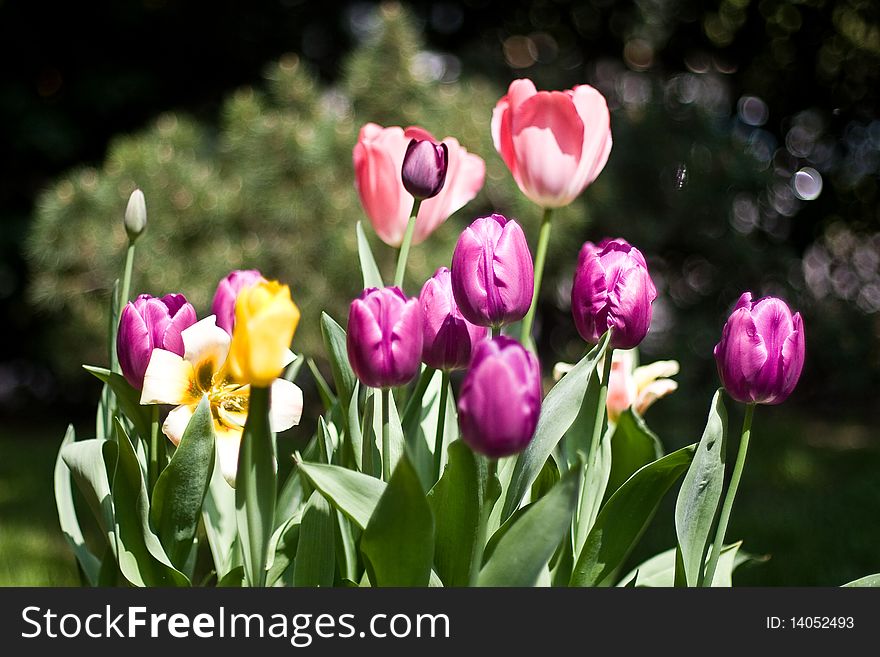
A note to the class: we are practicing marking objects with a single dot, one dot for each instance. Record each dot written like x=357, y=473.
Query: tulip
x=223, y=305
x=384, y=338
x=424, y=168
x=492, y=273
x=637, y=388
x=555, y=143
x=135, y=219
x=448, y=338
x=612, y=289
x=500, y=398
x=378, y=161
x=149, y=323
x=761, y=352
x=265, y=321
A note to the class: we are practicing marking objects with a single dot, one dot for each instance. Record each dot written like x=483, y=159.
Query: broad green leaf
x=255, y=488
x=863, y=582
x=142, y=560
x=558, y=411
x=128, y=398
x=346, y=547
x=233, y=579
x=593, y=491
x=579, y=436
x=89, y=462
x=700, y=496
x=455, y=501
x=218, y=515
x=90, y=564
x=371, y=275
x=546, y=479
x=633, y=445
x=412, y=411
x=181, y=488
x=282, y=551
x=521, y=556
x=397, y=444
x=334, y=343
x=398, y=542
x=659, y=570
x=355, y=437
x=422, y=437
x=625, y=517
x=290, y=499
x=354, y=494
x=316, y=551
x=326, y=444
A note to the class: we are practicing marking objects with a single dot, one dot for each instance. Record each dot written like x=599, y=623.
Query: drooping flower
x=378, y=161
x=493, y=277
x=149, y=323
x=203, y=370
x=223, y=305
x=761, y=353
x=555, y=143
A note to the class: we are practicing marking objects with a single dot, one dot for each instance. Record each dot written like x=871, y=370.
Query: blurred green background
x=746, y=156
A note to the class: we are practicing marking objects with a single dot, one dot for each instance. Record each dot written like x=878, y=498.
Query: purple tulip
x=448, y=336
x=149, y=323
x=500, y=398
x=492, y=273
x=761, y=352
x=384, y=337
x=612, y=289
x=424, y=168
x=223, y=306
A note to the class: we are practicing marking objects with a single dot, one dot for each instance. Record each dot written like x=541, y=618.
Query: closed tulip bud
x=424, y=168
x=384, y=337
x=500, y=398
x=761, y=352
x=223, y=305
x=149, y=323
x=448, y=337
x=493, y=277
x=612, y=289
x=265, y=321
x=135, y=215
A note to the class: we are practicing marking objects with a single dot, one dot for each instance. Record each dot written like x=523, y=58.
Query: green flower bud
x=135, y=215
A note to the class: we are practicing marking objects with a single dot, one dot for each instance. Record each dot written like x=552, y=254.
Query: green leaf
x=354, y=494
x=142, y=560
x=867, y=581
x=659, y=570
x=128, y=398
x=455, y=501
x=90, y=564
x=316, y=552
x=699, y=499
x=334, y=343
x=593, y=491
x=521, y=556
x=398, y=542
x=181, y=488
x=89, y=462
x=218, y=515
x=633, y=445
x=558, y=411
x=328, y=399
x=282, y=551
x=290, y=499
x=255, y=488
x=397, y=443
x=625, y=517
x=233, y=579
x=346, y=548
x=372, y=277
x=355, y=437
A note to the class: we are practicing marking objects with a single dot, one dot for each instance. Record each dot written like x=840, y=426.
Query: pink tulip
x=378, y=160
x=555, y=143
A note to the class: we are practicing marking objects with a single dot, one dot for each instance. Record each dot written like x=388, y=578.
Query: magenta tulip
x=448, y=337
x=612, y=289
x=384, y=337
x=761, y=352
x=223, y=306
x=424, y=168
x=555, y=143
x=378, y=162
x=149, y=323
x=500, y=398
x=492, y=273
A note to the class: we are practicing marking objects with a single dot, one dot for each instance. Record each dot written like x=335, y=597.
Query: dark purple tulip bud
x=493, y=277
x=612, y=289
x=424, y=168
x=500, y=398
x=384, y=337
x=223, y=305
x=761, y=352
x=448, y=336
x=149, y=323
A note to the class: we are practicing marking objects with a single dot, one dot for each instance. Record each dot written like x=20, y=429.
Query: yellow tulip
x=265, y=321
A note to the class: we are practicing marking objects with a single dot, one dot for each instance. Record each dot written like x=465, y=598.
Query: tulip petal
x=593, y=111
x=285, y=406
x=206, y=348
x=169, y=380
x=661, y=369
x=502, y=118
x=176, y=422
x=228, y=442
x=652, y=392
x=792, y=357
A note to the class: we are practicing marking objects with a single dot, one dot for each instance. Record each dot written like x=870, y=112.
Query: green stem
x=488, y=500
x=407, y=242
x=414, y=401
x=154, y=447
x=441, y=424
x=724, y=518
x=495, y=331
x=386, y=435
x=540, y=257
x=123, y=299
